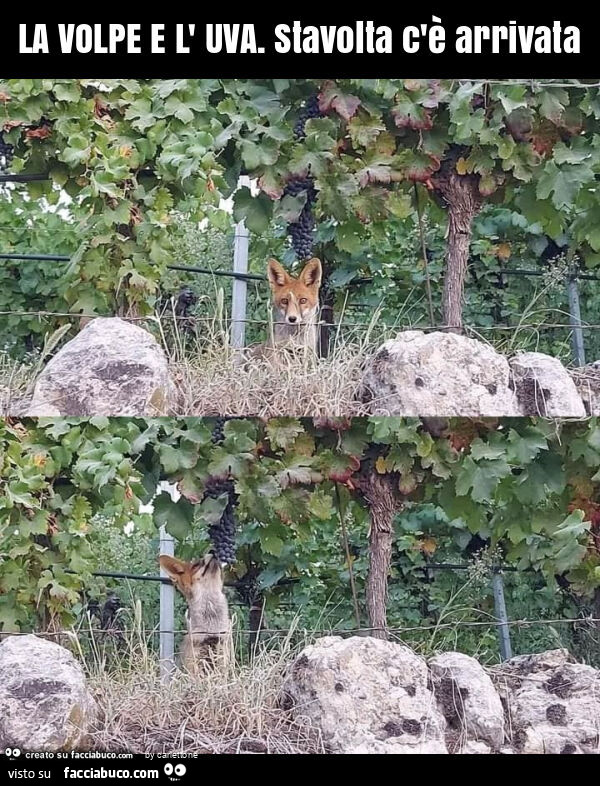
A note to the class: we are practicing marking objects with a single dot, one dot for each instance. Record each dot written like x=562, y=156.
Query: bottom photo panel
x=178, y=587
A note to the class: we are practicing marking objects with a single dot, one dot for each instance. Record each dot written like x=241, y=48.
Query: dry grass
x=17, y=379
x=234, y=709
x=214, y=379
x=16, y=383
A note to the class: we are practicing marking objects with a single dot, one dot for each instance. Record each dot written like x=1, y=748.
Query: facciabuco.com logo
x=96, y=755
x=175, y=772
x=102, y=773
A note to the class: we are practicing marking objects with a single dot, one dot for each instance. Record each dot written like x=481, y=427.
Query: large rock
x=543, y=387
x=469, y=702
x=111, y=368
x=45, y=704
x=438, y=374
x=587, y=382
x=365, y=696
x=552, y=704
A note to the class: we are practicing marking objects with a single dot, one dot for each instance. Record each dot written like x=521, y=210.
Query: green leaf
x=177, y=517
x=256, y=212
x=270, y=543
x=321, y=505
x=483, y=450
x=282, y=432
x=290, y=208
x=211, y=510
x=563, y=183
x=481, y=478
x=526, y=445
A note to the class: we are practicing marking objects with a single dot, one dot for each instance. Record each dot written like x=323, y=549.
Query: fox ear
x=276, y=273
x=174, y=567
x=312, y=274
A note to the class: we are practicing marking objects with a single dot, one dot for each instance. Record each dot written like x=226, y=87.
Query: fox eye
x=303, y=301
x=284, y=302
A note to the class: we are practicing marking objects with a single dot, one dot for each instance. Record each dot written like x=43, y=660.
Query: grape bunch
x=218, y=434
x=222, y=534
x=301, y=231
x=7, y=153
x=186, y=300
x=247, y=587
x=310, y=111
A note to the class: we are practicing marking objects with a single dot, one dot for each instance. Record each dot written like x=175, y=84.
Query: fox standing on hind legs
x=208, y=626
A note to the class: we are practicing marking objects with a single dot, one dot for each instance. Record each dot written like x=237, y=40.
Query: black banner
x=424, y=43
x=179, y=770
x=71, y=767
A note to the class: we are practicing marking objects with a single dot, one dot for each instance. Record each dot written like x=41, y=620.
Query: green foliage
x=135, y=156
x=27, y=287
x=54, y=479
x=525, y=489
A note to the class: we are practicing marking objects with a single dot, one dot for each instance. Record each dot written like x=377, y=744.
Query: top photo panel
x=302, y=247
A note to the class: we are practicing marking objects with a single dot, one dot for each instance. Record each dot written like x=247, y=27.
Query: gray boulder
x=544, y=387
x=111, y=368
x=438, y=374
x=552, y=704
x=587, y=382
x=469, y=702
x=365, y=695
x=45, y=704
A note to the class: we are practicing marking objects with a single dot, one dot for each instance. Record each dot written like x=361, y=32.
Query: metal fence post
x=167, y=613
x=240, y=286
x=501, y=616
x=575, y=320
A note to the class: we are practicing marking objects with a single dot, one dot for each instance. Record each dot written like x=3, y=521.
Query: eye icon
x=12, y=753
x=174, y=773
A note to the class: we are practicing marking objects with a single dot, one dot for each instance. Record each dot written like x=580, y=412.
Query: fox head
x=296, y=300
x=203, y=574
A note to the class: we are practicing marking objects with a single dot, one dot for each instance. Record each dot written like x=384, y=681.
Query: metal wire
x=155, y=318
x=492, y=622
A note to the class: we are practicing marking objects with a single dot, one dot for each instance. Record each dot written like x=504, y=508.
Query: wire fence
x=499, y=620
x=340, y=631
x=343, y=323
x=241, y=275
x=576, y=328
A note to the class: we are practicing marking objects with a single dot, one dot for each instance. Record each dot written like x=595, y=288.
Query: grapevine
x=310, y=111
x=222, y=534
x=529, y=147
x=7, y=153
x=301, y=231
x=541, y=479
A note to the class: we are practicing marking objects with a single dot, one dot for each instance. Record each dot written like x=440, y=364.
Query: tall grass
x=213, y=378
x=17, y=379
x=16, y=384
x=232, y=709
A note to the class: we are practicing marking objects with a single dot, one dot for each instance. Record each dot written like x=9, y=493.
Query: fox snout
x=292, y=316
x=212, y=563
x=205, y=572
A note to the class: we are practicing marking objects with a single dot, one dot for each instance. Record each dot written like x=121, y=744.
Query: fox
x=295, y=304
x=208, y=624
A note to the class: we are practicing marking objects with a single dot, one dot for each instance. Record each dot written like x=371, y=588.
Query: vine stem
x=424, y=252
x=342, y=517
